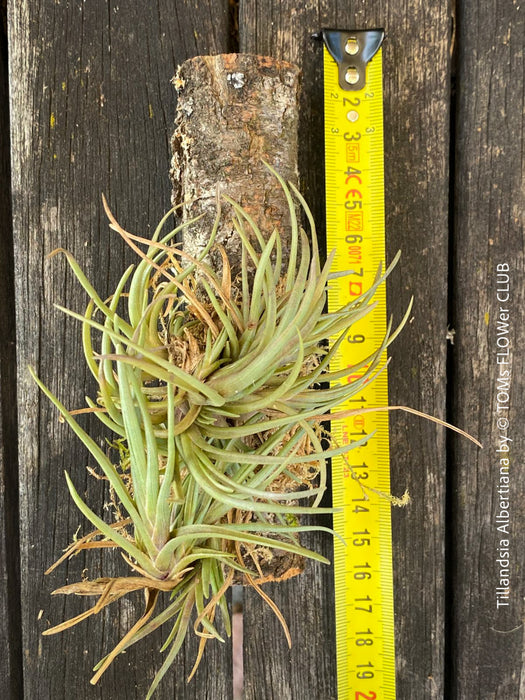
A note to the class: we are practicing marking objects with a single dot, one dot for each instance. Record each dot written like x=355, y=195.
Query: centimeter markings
x=355, y=229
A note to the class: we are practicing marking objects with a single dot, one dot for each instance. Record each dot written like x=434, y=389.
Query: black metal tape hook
x=352, y=50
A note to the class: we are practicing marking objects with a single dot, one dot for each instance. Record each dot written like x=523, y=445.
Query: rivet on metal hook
x=352, y=46
x=352, y=75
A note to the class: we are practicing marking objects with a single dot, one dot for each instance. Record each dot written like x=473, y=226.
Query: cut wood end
x=234, y=63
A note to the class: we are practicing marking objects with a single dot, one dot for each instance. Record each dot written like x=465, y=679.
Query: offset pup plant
x=212, y=388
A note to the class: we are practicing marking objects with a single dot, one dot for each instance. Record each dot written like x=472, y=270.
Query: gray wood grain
x=417, y=112
x=487, y=641
x=92, y=111
x=10, y=630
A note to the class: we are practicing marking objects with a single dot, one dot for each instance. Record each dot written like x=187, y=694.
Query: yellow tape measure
x=353, y=100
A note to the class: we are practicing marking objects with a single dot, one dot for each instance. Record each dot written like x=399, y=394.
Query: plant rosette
x=216, y=391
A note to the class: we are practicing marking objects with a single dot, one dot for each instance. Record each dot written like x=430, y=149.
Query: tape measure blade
x=355, y=230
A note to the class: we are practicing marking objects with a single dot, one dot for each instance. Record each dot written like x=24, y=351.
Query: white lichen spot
x=187, y=108
x=178, y=81
x=236, y=80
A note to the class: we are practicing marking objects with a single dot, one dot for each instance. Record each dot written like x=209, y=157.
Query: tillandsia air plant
x=216, y=391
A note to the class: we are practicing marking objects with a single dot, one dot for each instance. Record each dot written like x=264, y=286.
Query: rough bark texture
x=233, y=112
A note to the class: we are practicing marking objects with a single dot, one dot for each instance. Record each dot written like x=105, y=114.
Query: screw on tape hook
x=352, y=50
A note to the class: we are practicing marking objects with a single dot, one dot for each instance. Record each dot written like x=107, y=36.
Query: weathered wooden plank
x=92, y=111
x=417, y=60
x=486, y=651
x=10, y=630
